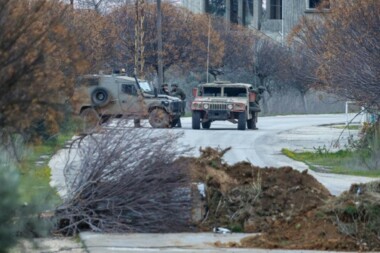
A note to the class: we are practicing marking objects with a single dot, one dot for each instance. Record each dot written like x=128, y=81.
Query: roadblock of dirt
x=291, y=209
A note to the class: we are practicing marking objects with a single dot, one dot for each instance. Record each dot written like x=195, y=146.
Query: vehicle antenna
x=208, y=45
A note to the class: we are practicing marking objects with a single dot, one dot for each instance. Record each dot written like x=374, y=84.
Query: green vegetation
x=341, y=162
x=361, y=157
x=349, y=127
x=25, y=188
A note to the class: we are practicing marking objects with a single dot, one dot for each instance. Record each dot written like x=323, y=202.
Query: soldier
x=178, y=92
x=261, y=90
x=165, y=89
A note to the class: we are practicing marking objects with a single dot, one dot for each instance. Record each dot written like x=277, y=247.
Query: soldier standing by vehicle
x=165, y=89
x=178, y=92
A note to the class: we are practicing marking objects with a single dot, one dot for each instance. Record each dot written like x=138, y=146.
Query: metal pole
x=347, y=113
x=136, y=37
x=208, y=46
x=159, y=44
x=142, y=35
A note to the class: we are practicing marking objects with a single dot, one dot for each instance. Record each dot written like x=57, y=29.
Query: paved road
x=171, y=243
x=263, y=147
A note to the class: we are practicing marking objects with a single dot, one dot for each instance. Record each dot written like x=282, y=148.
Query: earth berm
x=291, y=209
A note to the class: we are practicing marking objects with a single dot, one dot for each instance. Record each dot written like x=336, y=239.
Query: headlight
x=230, y=106
x=205, y=106
x=165, y=103
x=239, y=106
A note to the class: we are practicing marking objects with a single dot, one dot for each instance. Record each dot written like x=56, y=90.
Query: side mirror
x=155, y=92
x=195, y=92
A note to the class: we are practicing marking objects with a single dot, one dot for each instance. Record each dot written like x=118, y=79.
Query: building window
x=313, y=4
x=216, y=7
x=275, y=9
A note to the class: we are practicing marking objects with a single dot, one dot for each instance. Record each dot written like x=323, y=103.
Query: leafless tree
x=345, y=44
x=299, y=70
x=268, y=57
x=127, y=180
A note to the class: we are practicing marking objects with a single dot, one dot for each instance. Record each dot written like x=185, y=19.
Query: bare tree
x=299, y=70
x=345, y=44
x=184, y=39
x=268, y=56
x=126, y=180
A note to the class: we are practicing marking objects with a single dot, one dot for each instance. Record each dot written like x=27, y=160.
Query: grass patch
x=349, y=127
x=35, y=173
x=341, y=162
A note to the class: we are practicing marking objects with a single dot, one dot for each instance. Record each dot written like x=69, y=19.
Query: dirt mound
x=290, y=208
x=247, y=198
x=348, y=222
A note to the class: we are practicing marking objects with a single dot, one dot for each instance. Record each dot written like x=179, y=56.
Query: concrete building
x=276, y=18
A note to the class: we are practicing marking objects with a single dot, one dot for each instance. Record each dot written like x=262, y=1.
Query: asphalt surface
x=178, y=243
x=261, y=147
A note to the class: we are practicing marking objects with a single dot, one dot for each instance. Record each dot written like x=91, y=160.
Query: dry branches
x=126, y=180
x=345, y=44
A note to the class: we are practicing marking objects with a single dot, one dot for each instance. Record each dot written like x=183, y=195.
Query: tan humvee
x=221, y=100
x=106, y=96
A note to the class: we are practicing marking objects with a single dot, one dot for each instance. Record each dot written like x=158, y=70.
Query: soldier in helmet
x=255, y=105
x=261, y=90
x=164, y=89
x=178, y=92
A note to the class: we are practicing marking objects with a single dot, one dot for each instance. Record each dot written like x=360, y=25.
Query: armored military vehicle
x=223, y=100
x=106, y=96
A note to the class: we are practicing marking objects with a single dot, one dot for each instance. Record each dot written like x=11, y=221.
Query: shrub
x=9, y=201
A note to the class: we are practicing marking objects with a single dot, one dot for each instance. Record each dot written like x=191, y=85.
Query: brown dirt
x=291, y=209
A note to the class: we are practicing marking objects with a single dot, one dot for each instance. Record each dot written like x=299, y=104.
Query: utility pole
x=139, y=47
x=159, y=44
x=139, y=38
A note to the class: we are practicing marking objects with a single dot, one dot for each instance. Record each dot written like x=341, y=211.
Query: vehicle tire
x=100, y=97
x=206, y=125
x=159, y=118
x=242, y=121
x=90, y=120
x=196, y=120
x=174, y=122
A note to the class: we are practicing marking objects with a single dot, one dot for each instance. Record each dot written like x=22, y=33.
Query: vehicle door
x=128, y=97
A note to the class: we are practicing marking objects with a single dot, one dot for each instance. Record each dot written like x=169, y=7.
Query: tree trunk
x=304, y=102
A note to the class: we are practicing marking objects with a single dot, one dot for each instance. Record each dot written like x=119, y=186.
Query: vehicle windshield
x=145, y=87
x=212, y=91
x=235, y=92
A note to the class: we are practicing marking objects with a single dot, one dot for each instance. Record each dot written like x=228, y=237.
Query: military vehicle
x=105, y=96
x=223, y=100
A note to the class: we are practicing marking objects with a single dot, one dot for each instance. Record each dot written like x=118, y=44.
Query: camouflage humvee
x=106, y=96
x=221, y=100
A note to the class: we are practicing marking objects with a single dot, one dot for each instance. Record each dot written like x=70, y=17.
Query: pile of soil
x=349, y=222
x=247, y=198
x=291, y=209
